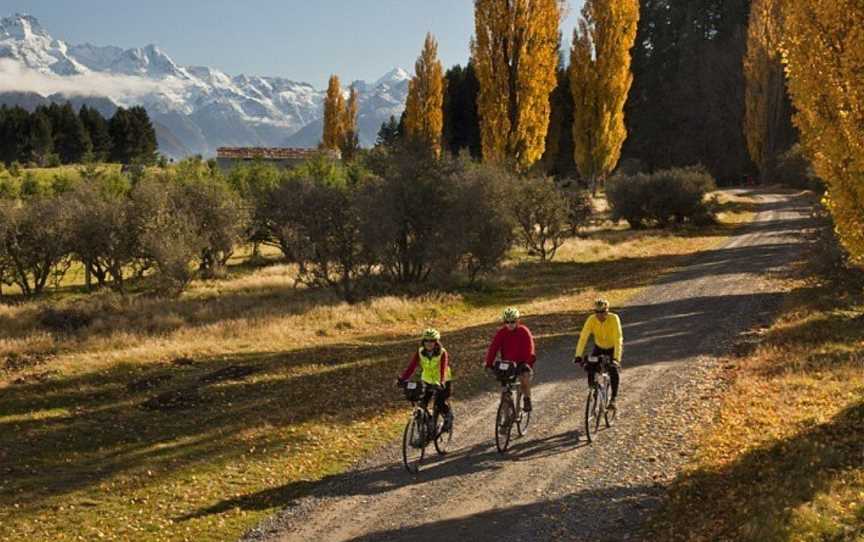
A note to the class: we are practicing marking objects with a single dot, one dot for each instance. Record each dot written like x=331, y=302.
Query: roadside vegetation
x=193, y=416
x=783, y=458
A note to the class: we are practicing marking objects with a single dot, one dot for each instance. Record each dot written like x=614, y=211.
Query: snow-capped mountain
x=202, y=107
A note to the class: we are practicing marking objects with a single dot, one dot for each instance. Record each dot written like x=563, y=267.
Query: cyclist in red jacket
x=515, y=344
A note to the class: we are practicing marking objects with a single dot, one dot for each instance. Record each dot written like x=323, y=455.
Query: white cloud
x=15, y=76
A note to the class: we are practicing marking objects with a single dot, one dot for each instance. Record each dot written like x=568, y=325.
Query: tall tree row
x=461, y=126
x=514, y=51
x=334, y=114
x=55, y=134
x=687, y=102
x=340, y=120
x=424, y=114
x=824, y=52
x=768, y=112
x=600, y=80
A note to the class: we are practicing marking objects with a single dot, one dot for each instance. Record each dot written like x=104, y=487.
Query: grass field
x=193, y=418
x=784, y=459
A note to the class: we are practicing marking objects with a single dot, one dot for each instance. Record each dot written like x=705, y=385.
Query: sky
x=298, y=39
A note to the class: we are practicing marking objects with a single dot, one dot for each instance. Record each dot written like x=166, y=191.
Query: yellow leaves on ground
x=783, y=459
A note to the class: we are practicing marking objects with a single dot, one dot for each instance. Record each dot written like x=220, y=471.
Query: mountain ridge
x=202, y=107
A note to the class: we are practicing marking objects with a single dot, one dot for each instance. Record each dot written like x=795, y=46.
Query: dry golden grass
x=82, y=459
x=784, y=459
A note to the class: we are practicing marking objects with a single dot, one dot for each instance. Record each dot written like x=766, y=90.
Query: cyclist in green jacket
x=434, y=363
x=605, y=326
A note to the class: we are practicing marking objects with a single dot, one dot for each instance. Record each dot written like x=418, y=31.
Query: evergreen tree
x=120, y=130
x=687, y=101
x=14, y=131
x=461, y=128
x=144, y=136
x=97, y=129
x=71, y=141
x=40, y=141
x=558, y=157
x=515, y=54
x=389, y=134
x=424, y=114
x=600, y=80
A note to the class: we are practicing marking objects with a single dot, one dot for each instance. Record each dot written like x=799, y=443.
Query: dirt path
x=553, y=485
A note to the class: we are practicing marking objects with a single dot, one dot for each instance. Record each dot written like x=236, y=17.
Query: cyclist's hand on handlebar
x=578, y=360
x=400, y=383
x=616, y=363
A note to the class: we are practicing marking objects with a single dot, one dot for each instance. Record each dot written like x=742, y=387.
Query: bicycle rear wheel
x=592, y=413
x=414, y=443
x=504, y=424
x=443, y=438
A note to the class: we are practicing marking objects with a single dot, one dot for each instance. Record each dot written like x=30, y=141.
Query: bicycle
x=599, y=396
x=508, y=411
x=424, y=427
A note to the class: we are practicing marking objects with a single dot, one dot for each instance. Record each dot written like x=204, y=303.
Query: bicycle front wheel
x=504, y=425
x=414, y=443
x=609, y=414
x=443, y=438
x=592, y=413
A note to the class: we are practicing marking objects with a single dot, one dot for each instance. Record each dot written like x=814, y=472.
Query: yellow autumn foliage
x=515, y=54
x=823, y=51
x=600, y=80
x=334, y=115
x=765, y=85
x=424, y=108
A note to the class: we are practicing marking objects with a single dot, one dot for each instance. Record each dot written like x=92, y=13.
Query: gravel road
x=552, y=485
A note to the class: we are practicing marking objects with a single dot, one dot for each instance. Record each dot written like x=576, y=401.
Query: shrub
x=479, y=227
x=15, y=169
x=35, y=242
x=795, y=170
x=541, y=212
x=665, y=197
x=580, y=207
x=221, y=220
x=168, y=237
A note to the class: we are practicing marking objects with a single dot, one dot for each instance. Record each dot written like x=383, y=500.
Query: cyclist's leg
x=615, y=379
x=614, y=376
x=525, y=373
x=443, y=399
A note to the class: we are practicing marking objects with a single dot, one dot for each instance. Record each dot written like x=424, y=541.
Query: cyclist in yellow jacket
x=434, y=363
x=605, y=326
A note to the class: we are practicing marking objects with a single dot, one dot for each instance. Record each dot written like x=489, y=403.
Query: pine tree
x=71, y=141
x=14, y=132
x=424, y=113
x=334, y=115
x=40, y=141
x=97, y=129
x=350, y=137
x=600, y=80
x=120, y=129
x=558, y=157
x=824, y=51
x=145, y=145
x=389, y=134
x=514, y=53
x=461, y=129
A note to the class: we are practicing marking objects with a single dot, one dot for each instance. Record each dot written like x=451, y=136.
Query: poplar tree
x=514, y=53
x=334, y=115
x=824, y=52
x=600, y=80
x=767, y=117
x=424, y=108
x=350, y=141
